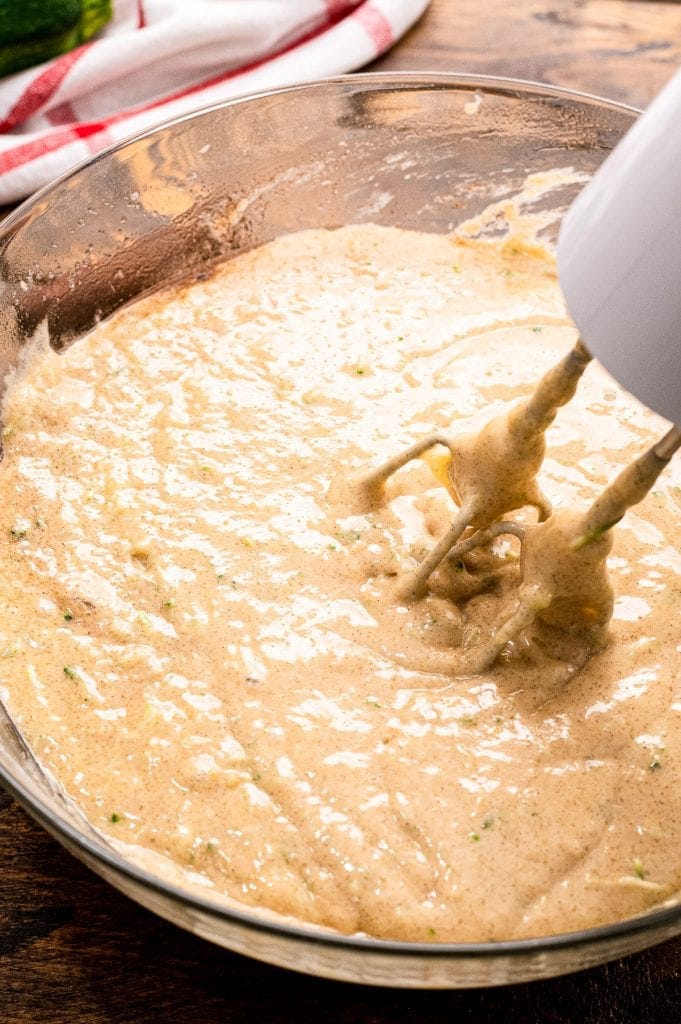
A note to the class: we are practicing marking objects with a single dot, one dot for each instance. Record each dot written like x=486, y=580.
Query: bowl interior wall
x=423, y=153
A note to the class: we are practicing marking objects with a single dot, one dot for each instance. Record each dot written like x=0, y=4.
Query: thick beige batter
x=199, y=634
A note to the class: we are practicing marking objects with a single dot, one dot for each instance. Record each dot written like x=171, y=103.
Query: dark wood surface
x=623, y=49
x=73, y=951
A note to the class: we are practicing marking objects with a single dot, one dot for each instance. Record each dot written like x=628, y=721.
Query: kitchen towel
x=158, y=59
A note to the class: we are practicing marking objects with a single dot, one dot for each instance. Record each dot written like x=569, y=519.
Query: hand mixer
x=619, y=264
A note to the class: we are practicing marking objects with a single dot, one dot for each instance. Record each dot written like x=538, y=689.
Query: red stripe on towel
x=47, y=144
x=42, y=88
x=336, y=9
x=372, y=20
x=376, y=25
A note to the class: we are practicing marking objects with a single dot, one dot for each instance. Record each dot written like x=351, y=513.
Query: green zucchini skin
x=34, y=31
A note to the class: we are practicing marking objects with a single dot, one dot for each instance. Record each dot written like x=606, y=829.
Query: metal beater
x=619, y=263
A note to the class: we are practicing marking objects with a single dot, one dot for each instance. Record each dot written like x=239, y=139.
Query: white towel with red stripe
x=158, y=59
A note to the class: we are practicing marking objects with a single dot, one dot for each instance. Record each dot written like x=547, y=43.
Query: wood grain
x=623, y=50
x=73, y=951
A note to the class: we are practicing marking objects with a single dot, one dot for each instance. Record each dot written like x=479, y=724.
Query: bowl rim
x=253, y=920
x=402, y=80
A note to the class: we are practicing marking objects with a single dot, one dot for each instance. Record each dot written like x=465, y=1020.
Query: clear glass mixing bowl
x=417, y=151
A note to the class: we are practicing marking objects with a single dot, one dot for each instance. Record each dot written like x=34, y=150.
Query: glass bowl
x=420, y=151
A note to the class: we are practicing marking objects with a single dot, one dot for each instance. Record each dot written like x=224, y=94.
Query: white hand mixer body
x=619, y=258
x=619, y=265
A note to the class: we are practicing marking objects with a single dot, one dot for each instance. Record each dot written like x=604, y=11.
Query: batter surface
x=200, y=638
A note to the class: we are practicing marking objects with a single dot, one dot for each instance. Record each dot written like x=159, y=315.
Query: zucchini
x=34, y=31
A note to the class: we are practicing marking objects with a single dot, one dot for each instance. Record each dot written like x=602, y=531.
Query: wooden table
x=72, y=950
